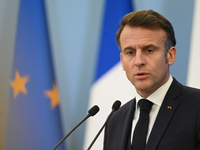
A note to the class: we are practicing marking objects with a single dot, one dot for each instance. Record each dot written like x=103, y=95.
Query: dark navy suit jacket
x=177, y=128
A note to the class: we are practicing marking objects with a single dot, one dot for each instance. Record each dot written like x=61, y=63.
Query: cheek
x=161, y=69
x=125, y=64
x=122, y=62
x=158, y=66
x=128, y=67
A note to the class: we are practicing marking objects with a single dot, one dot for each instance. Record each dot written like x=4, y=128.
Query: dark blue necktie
x=141, y=128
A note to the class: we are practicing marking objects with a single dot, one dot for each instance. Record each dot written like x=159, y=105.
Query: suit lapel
x=126, y=127
x=165, y=114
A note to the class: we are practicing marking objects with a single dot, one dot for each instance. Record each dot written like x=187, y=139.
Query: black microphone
x=115, y=107
x=93, y=111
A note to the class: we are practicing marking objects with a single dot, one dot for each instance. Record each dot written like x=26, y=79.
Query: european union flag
x=33, y=115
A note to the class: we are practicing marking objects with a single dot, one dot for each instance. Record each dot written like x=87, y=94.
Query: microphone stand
x=71, y=132
x=115, y=107
x=91, y=112
x=100, y=130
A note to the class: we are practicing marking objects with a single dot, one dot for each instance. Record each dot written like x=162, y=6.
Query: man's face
x=143, y=58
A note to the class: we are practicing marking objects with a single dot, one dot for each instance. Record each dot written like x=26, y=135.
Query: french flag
x=194, y=61
x=110, y=82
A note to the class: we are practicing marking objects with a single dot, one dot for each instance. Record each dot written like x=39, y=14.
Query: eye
x=130, y=52
x=149, y=51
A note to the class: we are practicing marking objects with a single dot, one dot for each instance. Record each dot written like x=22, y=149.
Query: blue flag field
x=33, y=114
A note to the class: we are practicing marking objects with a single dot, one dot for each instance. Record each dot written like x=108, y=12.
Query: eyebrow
x=127, y=48
x=143, y=47
x=150, y=45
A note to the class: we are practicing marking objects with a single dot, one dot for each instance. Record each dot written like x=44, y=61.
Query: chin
x=142, y=86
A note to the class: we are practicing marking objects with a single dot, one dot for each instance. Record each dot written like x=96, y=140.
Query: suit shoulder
x=177, y=89
x=127, y=105
x=190, y=91
x=123, y=110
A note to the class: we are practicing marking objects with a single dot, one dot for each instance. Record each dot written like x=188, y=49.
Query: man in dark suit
x=147, y=43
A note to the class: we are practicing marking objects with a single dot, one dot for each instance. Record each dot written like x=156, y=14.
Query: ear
x=171, y=55
x=122, y=62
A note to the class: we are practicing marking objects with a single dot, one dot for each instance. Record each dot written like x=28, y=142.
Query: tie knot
x=145, y=105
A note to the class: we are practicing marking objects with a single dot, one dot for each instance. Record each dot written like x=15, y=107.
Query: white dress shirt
x=156, y=98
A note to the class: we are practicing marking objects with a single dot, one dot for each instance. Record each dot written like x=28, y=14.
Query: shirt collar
x=158, y=96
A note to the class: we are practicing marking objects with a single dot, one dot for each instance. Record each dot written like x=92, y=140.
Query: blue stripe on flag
x=104, y=91
x=33, y=114
x=108, y=52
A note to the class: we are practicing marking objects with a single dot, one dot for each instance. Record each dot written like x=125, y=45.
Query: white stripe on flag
x=110, y=87
x=194, y=59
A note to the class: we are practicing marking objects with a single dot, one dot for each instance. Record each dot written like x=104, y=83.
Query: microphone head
x=116, y=105
x=93, y=110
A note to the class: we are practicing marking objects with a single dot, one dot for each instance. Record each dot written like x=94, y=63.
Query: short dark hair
x=148, y=19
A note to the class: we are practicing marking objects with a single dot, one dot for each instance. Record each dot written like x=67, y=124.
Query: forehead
x=133, y=36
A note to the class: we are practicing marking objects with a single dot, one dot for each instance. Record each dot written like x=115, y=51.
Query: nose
x=139, y=59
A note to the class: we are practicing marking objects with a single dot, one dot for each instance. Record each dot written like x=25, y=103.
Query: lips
x=141, y=75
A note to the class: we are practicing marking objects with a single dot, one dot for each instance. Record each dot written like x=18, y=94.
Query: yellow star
x=18, y=84
x=53, y=95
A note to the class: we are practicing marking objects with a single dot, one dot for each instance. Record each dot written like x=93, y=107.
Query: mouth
x=141, y=75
